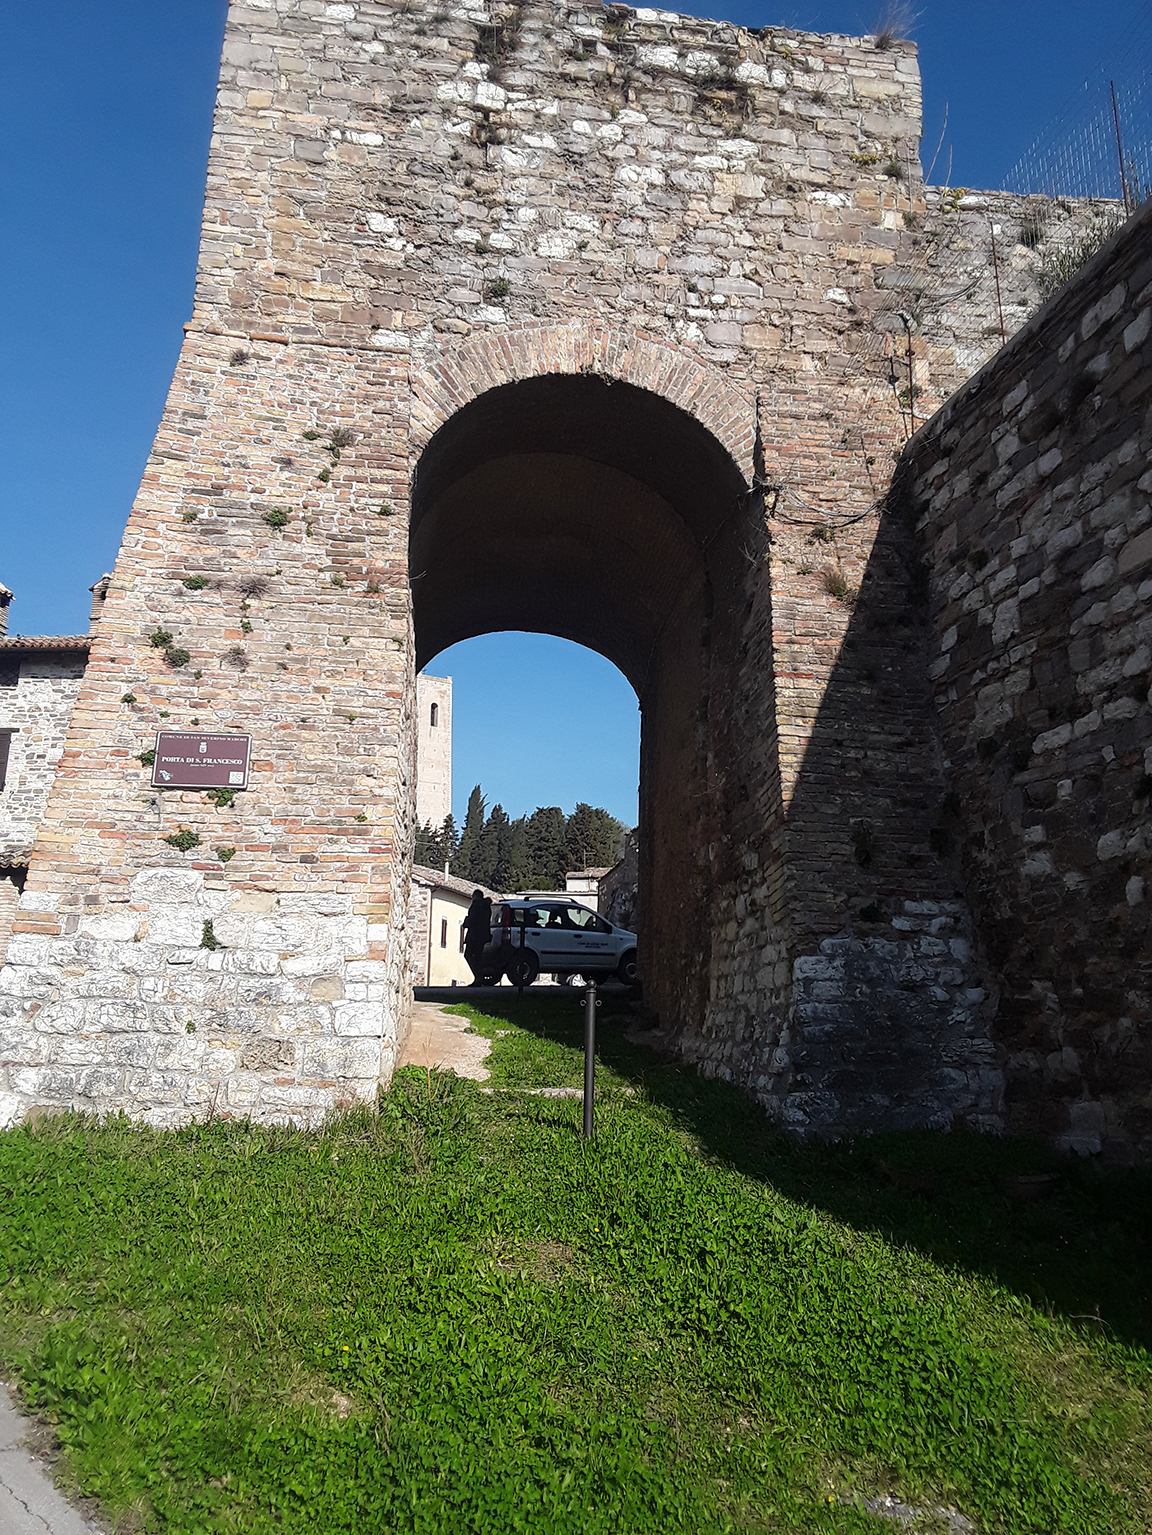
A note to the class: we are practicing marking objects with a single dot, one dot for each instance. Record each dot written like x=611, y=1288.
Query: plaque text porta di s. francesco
x=187, y=759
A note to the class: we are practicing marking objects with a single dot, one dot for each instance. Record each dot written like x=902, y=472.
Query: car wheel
x=626, y=969
x=523, y=968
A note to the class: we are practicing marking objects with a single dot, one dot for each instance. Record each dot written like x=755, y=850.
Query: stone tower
x=433, y=749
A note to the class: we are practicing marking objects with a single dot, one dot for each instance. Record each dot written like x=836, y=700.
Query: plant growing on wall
x=1061, y=263
x=276, y=517
x=183, y=841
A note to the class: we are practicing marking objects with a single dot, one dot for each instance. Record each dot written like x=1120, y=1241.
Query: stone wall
x=1033, y=496
x=619, y=893
x=296, y=629
x=38, y=688
x=535, y=318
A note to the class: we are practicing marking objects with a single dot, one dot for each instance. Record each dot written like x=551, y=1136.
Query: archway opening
x=587, y=508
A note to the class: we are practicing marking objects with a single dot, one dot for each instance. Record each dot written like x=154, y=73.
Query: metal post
x=1119, y=148
x=996, y=274
x=589, y=1057
x=520, y=972
x=911, y=376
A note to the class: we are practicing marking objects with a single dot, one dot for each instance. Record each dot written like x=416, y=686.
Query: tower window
x=434, y=715
x=5, y=743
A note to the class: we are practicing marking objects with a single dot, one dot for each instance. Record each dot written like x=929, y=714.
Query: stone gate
x=565, y=319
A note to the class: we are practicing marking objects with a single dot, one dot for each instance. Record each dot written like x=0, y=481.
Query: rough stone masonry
x=530, y=317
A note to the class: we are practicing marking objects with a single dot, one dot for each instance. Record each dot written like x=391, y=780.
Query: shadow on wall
x=1035, y=500
x=888, y=1027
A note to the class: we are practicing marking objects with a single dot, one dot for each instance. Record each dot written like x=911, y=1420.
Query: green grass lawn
x=453, y=1315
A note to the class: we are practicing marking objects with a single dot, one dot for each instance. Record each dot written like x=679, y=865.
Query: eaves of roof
x=45, y=642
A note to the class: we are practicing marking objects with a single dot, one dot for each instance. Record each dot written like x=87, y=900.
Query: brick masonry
x=460, y=269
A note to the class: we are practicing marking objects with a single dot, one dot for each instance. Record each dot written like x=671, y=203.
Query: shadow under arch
x=592, y=509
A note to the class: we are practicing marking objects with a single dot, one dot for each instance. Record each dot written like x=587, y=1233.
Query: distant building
x=584, y=884
x=40, y=676
x=433, y=749
x=437, y=905
x=620, y=886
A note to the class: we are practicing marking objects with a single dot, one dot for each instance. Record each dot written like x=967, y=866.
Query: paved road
x=29, y=1503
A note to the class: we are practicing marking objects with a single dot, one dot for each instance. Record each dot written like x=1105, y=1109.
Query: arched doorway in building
x=593, y=509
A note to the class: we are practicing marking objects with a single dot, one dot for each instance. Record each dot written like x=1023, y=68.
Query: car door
x=526, y=930
x=593, y=943
x=556, y=940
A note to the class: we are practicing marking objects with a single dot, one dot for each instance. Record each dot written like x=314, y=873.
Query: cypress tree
x=592, y=838
x=519, y=875
x=496, y=842
x=546, y=851
x=468, y=848
x=449, y=839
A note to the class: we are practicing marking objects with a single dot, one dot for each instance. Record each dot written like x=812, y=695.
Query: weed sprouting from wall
x=183, y=841
x=208, y=938
x=236, y=657
x=895, y=21
x=1061, y=263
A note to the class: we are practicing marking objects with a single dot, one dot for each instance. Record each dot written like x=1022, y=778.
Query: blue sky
x=105, y=117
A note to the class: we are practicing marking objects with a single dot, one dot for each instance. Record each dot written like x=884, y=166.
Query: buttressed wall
x=509, y=317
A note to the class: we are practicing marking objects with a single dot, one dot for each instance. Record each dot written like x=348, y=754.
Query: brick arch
x=455, y=372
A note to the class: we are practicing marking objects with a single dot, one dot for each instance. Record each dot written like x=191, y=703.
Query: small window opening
x=443, y=932
x=434, y=715
x=5, y=743
x=461, y=937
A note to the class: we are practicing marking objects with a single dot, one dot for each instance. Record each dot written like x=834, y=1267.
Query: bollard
x=590, y=1006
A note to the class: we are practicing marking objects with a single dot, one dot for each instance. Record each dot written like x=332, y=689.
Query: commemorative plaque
x=187, y=759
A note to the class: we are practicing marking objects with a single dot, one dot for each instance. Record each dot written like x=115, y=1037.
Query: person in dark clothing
x=478, y=926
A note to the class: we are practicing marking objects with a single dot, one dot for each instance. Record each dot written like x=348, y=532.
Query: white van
x=556, y=937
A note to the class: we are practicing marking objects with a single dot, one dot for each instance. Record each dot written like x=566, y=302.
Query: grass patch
x=452, y=1314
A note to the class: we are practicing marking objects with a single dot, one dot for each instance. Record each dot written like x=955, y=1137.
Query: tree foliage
x=533, y=852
